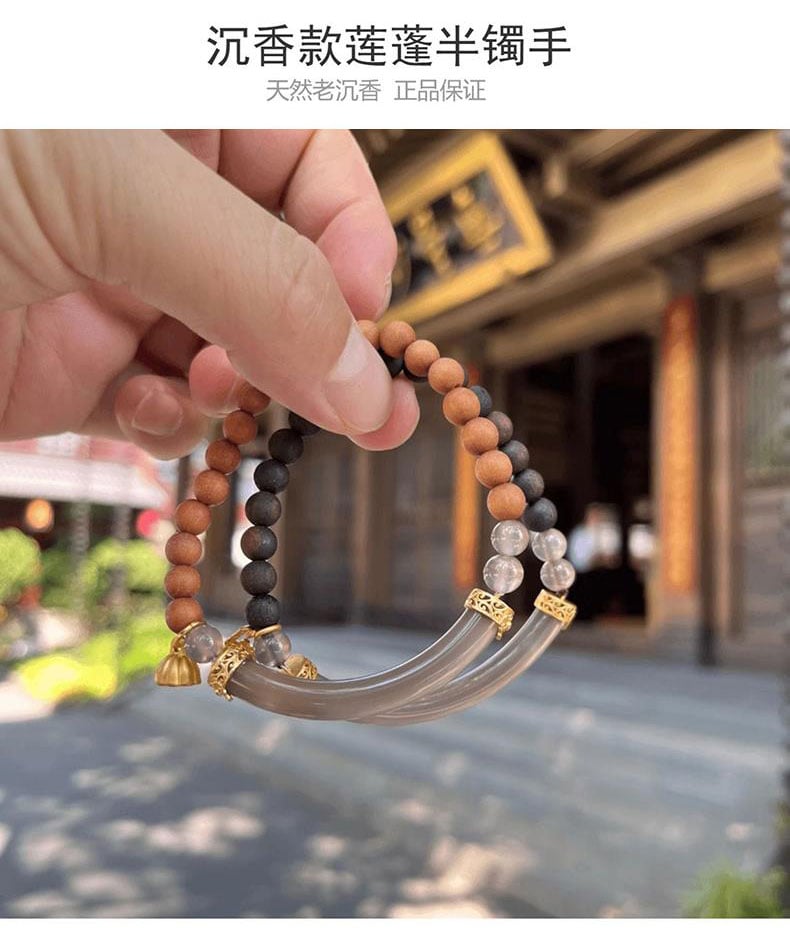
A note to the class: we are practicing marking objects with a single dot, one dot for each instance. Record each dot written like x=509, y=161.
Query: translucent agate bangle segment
x=353, y=698
x=513, y=658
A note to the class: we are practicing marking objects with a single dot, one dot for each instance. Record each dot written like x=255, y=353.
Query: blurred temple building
x=66, y=489
x=615, y=291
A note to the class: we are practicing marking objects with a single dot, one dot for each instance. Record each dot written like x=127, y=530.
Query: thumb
x=141, y=212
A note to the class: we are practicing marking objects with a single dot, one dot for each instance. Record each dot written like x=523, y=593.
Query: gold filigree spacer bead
x=492, y=607
x=237, y=651
x=556, y=607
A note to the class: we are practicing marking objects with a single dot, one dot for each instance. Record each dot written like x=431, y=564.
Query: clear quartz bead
x=510, y=537
x=557, y=575
x=549, y=545
x=203, y=643
x=503, y=574
x=272, y=649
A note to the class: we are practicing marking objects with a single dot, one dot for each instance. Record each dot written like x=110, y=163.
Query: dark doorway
x=587, y=418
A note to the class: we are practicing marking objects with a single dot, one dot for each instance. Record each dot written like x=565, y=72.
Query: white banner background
x=678, y=63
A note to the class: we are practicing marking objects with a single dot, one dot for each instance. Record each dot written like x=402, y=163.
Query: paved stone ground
x=592, y=786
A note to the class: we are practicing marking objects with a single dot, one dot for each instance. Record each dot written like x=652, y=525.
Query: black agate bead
x=531, y=482
x=540, y=516
x=271, y=475
x=394, y=364
x=518, y=454
x=258, y=578
x=259, y=543
x=262, y=611
x=301, y=425
x=263, y=508
x=286, y=445
x=483, y=396
x=503, y=425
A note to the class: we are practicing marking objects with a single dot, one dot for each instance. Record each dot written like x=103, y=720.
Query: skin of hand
x=144, y=275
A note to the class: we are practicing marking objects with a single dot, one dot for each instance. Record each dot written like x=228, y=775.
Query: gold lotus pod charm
x=177, y=669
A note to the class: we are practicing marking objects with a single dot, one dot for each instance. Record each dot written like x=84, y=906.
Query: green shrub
x=20, y=564
x=143, y=568
x=101, y=667
x=57, y=578
x=724, y=892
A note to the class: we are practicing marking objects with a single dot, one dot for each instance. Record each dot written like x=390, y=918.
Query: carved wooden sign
x=465, y=225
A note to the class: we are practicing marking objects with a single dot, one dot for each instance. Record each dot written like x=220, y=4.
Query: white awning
x=78, y=479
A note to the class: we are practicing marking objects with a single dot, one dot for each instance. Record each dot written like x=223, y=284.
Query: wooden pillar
x=680, y=447
x=679, y=457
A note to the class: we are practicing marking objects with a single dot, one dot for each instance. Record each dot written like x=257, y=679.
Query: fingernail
x=359, y=388
x=158, y=413
x=387, y=297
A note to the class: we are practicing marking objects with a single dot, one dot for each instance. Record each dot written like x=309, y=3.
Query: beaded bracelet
x=257, y=662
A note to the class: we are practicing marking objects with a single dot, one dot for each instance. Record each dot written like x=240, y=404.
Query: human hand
x=142, y=275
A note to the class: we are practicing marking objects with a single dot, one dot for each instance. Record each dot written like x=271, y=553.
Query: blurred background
x=619, y=293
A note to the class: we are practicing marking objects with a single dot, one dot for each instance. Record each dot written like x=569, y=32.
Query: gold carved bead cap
x=493, y=607
x=230, y=659
x=556, y=607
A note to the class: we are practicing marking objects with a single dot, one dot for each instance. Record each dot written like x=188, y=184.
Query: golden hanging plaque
x=465, y=225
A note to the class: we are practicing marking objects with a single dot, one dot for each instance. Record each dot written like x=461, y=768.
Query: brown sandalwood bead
x=506, y=502
x=240, y=427
x=182, y=612
x=192, y=517
x=420, y=356
x=252, y=400
x=370, y=331
x=223, y=456
x=493, y=468
x=182, y=582
x=460, y=406
x=183, y=549
x=445, y=375
x=479, y=435
x=396, y=337
x=211, y=488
